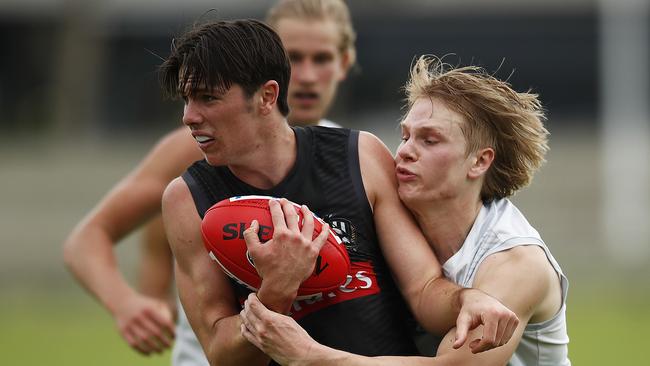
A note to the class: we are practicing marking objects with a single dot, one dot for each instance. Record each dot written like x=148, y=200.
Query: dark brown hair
x=218, y=54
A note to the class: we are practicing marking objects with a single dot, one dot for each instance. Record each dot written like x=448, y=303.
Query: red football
x=223, y=236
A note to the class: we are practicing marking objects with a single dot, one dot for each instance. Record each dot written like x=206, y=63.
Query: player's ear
x=481, y=162
x=268, y=96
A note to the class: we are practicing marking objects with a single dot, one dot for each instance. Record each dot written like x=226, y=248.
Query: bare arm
x=88, y=251
x=205, y=291
x=156, y=263
x=437, y=303
x=520, y=278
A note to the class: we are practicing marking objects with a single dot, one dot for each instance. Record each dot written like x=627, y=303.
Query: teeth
x=202, y=138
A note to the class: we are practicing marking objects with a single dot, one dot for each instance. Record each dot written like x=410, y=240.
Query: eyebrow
x=425, y=129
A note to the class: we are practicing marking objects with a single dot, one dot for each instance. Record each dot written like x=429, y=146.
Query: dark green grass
x=607, y=328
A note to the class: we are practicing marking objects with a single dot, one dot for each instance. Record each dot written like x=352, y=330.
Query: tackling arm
x=520, y=278
x=437, y=303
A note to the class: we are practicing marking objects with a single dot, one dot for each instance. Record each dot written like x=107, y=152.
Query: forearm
x=438, y=305
x=229, y=347
x=278, y=300
x=88, y=254
x=325, y=356
x=156, y=266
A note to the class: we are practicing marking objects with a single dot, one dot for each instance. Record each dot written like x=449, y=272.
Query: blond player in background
x=319, y=38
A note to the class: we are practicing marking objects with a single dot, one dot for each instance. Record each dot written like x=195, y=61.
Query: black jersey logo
x=345, y=231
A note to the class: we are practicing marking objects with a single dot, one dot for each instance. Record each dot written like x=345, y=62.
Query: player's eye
x=295, y=58
x=208, y=97
x=323, y=58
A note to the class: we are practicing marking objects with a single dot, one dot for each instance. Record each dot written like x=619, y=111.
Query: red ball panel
x=223, y=235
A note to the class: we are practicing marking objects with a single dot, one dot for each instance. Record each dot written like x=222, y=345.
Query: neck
x=446, y=225
x=272, y=156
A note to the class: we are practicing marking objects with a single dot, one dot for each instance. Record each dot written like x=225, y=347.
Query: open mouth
x=305, y=97
x=203, y=139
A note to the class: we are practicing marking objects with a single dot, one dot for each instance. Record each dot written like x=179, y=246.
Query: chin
x=213, y=160
x=406, y=195
x=304, y=119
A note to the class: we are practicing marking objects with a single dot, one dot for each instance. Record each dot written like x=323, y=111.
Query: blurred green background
x=80, y=107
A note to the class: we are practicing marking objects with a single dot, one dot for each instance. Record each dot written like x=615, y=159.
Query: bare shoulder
x=377, y=167
x=531, y=257
x=523, y=279
x=176, y=195
x=373, y=149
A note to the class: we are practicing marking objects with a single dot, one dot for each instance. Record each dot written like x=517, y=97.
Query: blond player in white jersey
x=319, y=39
x=469, y=141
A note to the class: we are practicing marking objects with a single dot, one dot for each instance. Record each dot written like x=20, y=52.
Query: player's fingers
x=321, y=239
x=245, y=332
x=277, y=216
x=506, y=329
x=252, y=311
x=307, y=223
x=462, y=328
x=244, y=316
x=151, y=335
x=499, y=339
x=142, y=342
x=254, y=307
x=473, y=345
x=158, y=333
x=290, y=214
x=165, y=321
x=487, y=341
x=510, y=329
x=250, y=235
x=132, y=341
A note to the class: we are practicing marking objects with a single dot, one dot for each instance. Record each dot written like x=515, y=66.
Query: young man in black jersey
x=233, y=78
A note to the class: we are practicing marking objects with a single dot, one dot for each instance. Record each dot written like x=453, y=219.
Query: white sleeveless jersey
x=187, y=350
x=501, y=226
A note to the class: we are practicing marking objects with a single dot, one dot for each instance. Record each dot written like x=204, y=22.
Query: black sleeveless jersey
x=367, y=314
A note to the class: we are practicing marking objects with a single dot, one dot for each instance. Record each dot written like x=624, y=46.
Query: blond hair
x=496, y=116
x=334, y=10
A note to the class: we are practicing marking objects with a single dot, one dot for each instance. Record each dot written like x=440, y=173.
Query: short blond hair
x=335, y=10
x=496, y=116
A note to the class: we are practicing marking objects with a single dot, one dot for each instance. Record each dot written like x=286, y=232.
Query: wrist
x=319, y=355
x=116, y=297
x=460, y=298
x=277, y=298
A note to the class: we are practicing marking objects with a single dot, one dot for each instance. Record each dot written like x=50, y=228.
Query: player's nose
x=405, y=152
x=191, y=114
x=304, y=72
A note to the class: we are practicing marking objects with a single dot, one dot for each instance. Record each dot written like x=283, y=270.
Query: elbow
x=70, y=249
x=74, y=247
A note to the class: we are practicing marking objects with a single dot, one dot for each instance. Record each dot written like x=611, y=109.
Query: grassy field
x=70, y=331
x=59, y=331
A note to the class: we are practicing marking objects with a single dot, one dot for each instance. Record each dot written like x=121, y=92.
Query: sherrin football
x=223, y=236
